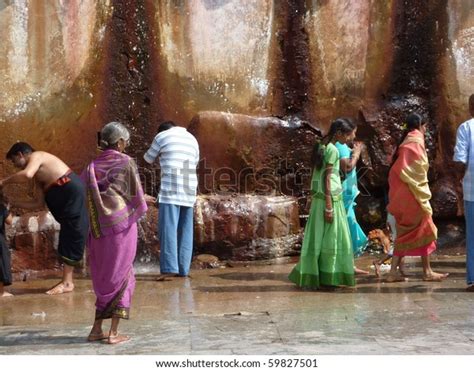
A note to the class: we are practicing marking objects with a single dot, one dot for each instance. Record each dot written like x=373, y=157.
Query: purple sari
x=115, y=202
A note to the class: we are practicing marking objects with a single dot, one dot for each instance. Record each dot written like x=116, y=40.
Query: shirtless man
x=64, y=194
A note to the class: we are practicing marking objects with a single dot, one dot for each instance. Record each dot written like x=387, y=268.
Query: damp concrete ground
x=251, y=310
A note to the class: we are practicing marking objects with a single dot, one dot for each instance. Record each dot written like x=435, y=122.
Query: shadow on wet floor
x=29, y=291
x=449, y=264
x=235, y=288
x=408, y=289
x=147, y=277
x=412, y=278
x=14, y=338
x=274, y=288
x=245, y=276
x=373, y=289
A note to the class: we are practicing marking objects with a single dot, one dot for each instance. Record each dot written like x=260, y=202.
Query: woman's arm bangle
x=329, y=210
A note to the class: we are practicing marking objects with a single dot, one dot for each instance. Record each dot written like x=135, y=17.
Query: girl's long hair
x=342, y=125
x=413, y=122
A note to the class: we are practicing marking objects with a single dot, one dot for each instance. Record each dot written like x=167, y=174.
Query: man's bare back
x=50, y=168
x=45, y=169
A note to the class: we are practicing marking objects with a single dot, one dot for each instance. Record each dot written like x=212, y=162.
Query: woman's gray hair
x=112, y=133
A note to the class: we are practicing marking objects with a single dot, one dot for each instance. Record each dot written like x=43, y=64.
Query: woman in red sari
x=409, y=201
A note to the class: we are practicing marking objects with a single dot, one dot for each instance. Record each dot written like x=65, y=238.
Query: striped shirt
x=178, y=152
x=464, y=152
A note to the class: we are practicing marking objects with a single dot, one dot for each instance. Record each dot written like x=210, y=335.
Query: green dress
x=326, y=255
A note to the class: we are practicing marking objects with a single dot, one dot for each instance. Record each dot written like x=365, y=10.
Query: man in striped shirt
x=178, y=153
x=464, y=155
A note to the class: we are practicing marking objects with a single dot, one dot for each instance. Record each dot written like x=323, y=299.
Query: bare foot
x=435, y=277
x=97, y=337
x=116, y=339
x=395, y=278
x=360, y=271
x=377, y=268
x=5, y=294
x=60, y=288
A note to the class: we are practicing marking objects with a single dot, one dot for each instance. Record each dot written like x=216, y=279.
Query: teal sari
x=350, y=191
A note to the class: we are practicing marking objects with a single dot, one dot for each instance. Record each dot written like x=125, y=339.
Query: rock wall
x=34, y=238
x=245, y=227
x=253, y=155
x=255, y=80
x=232, y=227
x=52, y=66
x=214, y=55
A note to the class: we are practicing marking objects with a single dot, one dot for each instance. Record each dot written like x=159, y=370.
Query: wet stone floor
x=252, y=310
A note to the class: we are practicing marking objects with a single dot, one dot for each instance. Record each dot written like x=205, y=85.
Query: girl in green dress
x=326, y=255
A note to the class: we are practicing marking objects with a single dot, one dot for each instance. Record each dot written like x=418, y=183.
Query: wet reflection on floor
x=251, y=310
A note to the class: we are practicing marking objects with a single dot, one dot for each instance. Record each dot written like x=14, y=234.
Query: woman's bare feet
x=435, y=277
x=377, y=265
x=117, y=339
x=360, y=271
x=5, y=294
x=61, y=288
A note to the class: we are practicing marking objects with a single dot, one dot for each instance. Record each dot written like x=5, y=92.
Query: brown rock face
x=350, y=52
x=253, y=155
x=243, y=227
x=381, y=128
x=51, y=63
x=214, y=55
x=251, y=74
x=34, y=239
x=445, y=199
x=235, y=227
x=34, y=252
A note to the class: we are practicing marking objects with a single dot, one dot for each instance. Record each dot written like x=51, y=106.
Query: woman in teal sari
x=326, y=255
x=348, y=162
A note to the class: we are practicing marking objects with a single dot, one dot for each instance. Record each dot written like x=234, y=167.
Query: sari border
x=131, y=210
x=93, y=215
x=310, y=280
x=123, y=313
x=112, y=310
x=421, y=242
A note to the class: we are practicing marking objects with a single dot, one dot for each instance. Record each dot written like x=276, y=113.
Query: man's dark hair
x=20, y=147
x=166, y=125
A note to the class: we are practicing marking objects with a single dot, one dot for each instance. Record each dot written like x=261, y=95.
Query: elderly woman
x=115, y=202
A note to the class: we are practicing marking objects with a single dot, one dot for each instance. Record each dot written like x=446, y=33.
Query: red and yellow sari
x=409, y=199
